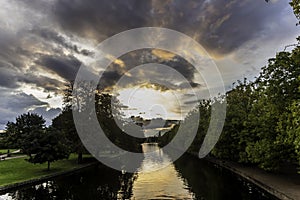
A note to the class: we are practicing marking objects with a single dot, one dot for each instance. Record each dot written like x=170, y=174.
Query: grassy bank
x=4, y=151
x=18, y=170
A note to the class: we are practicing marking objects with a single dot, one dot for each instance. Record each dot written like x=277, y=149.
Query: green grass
x=18, y=170
x=4, y=151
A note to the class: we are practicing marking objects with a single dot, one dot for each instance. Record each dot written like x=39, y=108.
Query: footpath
x=282, y=185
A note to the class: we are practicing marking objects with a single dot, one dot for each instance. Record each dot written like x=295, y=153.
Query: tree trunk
x=79, y=159
x=48, y=166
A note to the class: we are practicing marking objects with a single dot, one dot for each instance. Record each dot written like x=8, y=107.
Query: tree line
x=262, y=125
x=48, y=144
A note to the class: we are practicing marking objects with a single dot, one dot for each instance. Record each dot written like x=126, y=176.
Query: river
x=186, y=178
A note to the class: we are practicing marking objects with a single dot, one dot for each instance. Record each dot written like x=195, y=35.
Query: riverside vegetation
x=262, y=125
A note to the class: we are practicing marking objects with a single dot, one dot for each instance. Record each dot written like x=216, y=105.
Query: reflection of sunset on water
x=165, y=183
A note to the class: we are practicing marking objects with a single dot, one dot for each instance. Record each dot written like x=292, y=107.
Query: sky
x=43, y=43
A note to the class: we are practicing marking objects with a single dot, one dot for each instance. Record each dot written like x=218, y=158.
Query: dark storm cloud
x=15, y=104
x=14, y=72
x=11, y=52
x=18, y=53
x=157, y=75
x=64, y=66
x=108, y=79
x=221, y=26
x=24, y=101
x=52, y=36
x=56, y=36
x=47, y=83
x=100, y=19
x=7, y=78
x=12, y=78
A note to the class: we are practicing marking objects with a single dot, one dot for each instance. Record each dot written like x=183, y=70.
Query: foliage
x=262, y=122
x=107, y=114
x=296, y=8
x=234, y=137
x=19, y=133
x=107, y=111
x=189, y=124
x=39, y=143
x=49, y=147
x=65, y=124
x=291, y=125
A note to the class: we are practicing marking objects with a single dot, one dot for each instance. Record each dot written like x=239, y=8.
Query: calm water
x=187, y=178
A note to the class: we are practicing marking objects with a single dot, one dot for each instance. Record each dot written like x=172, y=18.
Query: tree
x=41, y=144
x=189, y=124
x=107, y=110
x=204, y=108
x=296, y=8
x=293, y=129
x=74, y=101
x=65, y=124
x=234, y=137
x=290, y=124
x=24, y=129
x=49, y=147
x=276, y=90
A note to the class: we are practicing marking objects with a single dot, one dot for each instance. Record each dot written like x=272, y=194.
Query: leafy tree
x=74, y=101
x=296, y=7
x=290, y=124
x=234, y=137
x=276, y=90
x=107, y=111
x=293, y=129
x=204, y=108
x=24, y=129
x=262, y=123
x=189, y=124
x=65, y=124
x=35, y=140
x=50, y=146
x=107, y=108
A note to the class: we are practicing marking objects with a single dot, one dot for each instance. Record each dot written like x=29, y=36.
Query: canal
x=186, y=178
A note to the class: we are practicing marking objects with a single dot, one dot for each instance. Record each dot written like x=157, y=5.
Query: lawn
x=4, y=151
x=18, y=170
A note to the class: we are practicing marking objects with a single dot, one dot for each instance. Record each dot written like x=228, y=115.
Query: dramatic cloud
x=15, y=104
x=156, y=74
x=66, y=67
x=101, y=19
x=51, y=36
x=44, y=42
x=221, y=26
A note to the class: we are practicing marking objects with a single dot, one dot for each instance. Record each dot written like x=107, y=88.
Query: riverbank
x=282, y=186
x=17, y=172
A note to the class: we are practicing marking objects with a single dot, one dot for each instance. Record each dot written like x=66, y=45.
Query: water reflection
x=155, y=158
x=187, y=178
x=207, y=181
x=92, y=183
x=164, y=183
